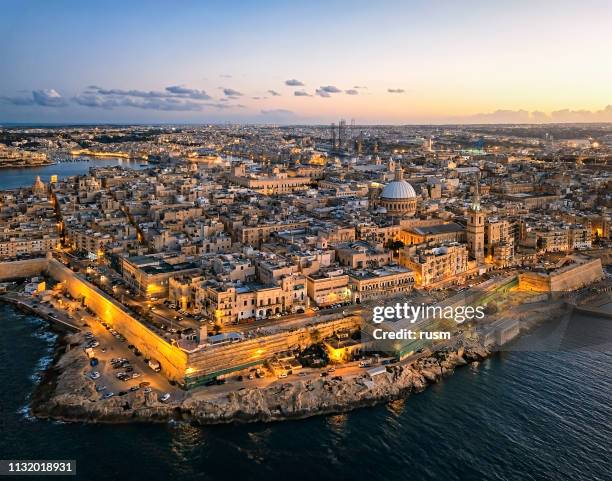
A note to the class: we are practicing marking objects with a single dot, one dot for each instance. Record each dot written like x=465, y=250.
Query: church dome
x=398, y=189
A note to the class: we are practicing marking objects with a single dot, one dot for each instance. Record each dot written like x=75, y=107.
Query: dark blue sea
x=521, y=415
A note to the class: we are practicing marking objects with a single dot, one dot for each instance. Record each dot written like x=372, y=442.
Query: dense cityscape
x=305, y=240
x=244, y=256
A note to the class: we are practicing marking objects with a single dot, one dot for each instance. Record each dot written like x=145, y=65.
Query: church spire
x=476, y=200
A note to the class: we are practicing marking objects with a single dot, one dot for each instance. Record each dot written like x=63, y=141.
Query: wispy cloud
x=351, y=92
x=505, y=116
x=43, y=98
x=294, y=83
x=231, y=92
x=164, y=104
x=188, y=93
x=396, y=91
x=274, y=93
x=301, y=93
x=326, y=90
x=225, y=75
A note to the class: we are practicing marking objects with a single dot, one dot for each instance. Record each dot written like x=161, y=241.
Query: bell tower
x=475, y=225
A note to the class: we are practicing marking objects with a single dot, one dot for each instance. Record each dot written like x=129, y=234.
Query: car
x=94, y=375
x=165, y=397
x=282, y=375
x=100, y=388
x=337, y=378
x=121, y=393
x=107, y=395
x=331, y=369
x=93, y=361
x=251, y=377
x=135, y=375
x=147, y=390
x=324, y=374
x=302, y=374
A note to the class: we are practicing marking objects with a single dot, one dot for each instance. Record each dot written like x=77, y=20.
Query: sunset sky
x=306, y=61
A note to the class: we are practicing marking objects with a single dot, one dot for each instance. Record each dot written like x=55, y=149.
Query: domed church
x=398, y=197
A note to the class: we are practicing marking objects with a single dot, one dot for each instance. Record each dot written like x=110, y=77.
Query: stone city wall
x=22, y=269
x=213, y=361
x=172, y=359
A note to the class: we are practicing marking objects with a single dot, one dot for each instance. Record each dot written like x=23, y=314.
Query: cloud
x=187, y=92
x=49, y=98
x=360, y=87
x=20, y=101
x=225, y=75
x=326, y=90
x=231, y=92
x=351, y=92
x=165, y=104
x=277, y=112
x=396, y=91
x=301, y=93
x=274, y=93
x=131, y=93
x=294, y=83
x=173, y=91
x=522, y=116
x=43, y=98
x=330, y=89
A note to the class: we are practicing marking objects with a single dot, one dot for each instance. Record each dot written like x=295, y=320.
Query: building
x=436, y=266
x=398, y=197
x=476, y=227
x=367, y=284
x=326, y=288
x=435, y=233
x=276, y=183
x=361, y=254
x=149, y=275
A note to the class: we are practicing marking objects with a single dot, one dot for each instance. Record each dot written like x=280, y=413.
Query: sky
x=296, y=62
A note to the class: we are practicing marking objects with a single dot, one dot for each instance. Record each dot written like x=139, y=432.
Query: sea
x=531, y=413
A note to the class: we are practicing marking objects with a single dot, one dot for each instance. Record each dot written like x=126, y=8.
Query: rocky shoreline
x=63, y=394
x=66, y=394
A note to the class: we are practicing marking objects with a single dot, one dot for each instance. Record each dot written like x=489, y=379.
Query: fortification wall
x=22, y=269
x=216, y=360
x=576, y=277
x=173, y=360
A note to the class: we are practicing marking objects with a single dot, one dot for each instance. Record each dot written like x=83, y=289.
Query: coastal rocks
x=73, y=396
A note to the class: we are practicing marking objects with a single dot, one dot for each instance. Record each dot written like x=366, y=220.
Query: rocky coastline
x=64, y=394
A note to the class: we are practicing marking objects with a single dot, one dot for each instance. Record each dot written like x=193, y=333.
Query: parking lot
x=108, y=347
